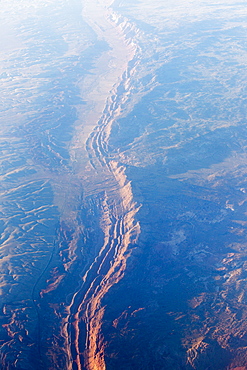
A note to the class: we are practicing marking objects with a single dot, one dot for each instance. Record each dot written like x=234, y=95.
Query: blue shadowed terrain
x=123, y=185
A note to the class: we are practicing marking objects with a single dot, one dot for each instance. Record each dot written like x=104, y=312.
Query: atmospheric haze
x=123, y=185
